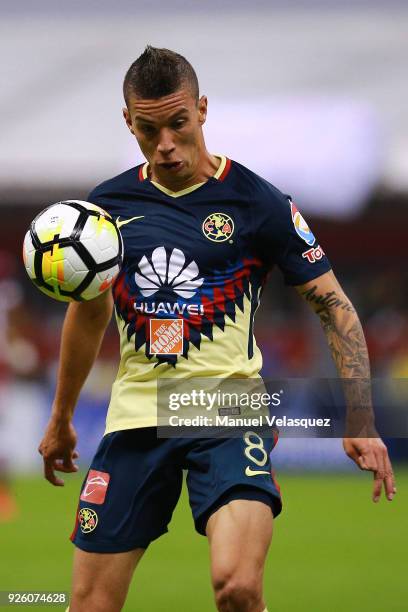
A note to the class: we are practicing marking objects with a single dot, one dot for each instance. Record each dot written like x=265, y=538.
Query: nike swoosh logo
x=250, y=472
x=86, y=494
x=120, y=223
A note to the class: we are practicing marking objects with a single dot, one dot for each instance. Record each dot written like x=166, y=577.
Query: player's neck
x=206, y=167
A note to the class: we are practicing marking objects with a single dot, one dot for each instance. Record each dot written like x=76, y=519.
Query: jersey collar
x=220, y=175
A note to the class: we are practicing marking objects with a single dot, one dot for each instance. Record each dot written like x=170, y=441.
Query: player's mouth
x=174, y=166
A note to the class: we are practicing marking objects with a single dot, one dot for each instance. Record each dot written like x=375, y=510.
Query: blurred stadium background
x=312, y=95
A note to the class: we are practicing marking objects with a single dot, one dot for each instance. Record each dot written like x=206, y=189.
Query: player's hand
x=58, y=451
x=371, y=454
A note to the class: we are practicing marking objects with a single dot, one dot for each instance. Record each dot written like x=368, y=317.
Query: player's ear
x=127, y=118
x=202, y=109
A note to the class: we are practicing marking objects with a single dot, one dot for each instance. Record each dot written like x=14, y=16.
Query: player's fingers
x=59, y=466
x=67, y=465
x=389, y=482
x=50, y=475
x=379, y=475
x=360, y=462
x=368, y=461
x=352, y=453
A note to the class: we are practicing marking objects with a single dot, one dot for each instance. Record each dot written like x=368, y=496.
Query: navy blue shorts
x=135, y=479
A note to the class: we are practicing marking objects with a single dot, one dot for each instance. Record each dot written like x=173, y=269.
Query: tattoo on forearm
x=329, y=299
x=349, y=351
x=347, y=346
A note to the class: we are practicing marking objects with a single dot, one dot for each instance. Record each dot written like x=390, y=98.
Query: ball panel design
x=56, y=296
x=100, y=237
x=101, y=283
x=84, y=256
x=88, y=206
x=58, y=220
x=62, y=268
x=28, y=255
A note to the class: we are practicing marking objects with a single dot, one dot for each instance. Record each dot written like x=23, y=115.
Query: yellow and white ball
x=73, y=251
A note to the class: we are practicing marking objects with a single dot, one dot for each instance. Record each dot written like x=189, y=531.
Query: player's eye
x=179, y=123
x=147, y=129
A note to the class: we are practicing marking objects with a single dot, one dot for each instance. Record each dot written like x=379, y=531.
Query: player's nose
x=165, y=144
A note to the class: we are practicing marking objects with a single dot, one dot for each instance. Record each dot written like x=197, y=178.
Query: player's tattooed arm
x=347, y=344
x=342, y=328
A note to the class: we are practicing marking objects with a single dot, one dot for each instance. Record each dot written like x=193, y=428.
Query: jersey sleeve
x=283, y=238
x=98, y=196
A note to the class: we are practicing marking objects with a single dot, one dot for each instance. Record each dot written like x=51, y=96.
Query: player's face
x=169, y=133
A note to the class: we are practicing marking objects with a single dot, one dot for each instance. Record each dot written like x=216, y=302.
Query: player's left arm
x=348, y=347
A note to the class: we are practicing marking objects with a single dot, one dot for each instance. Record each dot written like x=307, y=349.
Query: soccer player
x=200, y=234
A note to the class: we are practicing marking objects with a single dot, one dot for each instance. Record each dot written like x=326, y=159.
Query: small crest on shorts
x=88, y=520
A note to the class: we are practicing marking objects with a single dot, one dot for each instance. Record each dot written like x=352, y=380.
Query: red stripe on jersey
x=208, y=309
x=194, y=320
x=226, y=170
x=254, y=261
x=239, y=285
x=140, y=321
x=229, y=289
x=186, y=330
x=219, y=300
x=141, y=173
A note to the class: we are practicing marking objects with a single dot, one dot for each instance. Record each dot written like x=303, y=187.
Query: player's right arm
x=82, y=333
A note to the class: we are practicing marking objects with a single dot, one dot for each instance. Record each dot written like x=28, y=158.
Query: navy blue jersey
x=195, y=263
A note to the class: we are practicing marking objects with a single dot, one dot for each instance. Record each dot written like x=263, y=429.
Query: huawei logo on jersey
x=170, y=271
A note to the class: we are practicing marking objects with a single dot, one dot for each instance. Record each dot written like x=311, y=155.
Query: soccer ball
x=73, y=251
